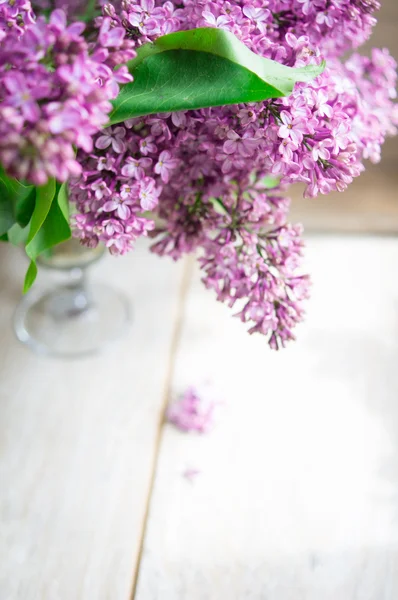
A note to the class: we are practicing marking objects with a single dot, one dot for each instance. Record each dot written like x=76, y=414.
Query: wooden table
x=297, y=495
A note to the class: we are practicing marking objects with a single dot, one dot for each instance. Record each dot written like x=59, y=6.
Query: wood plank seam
x=175, y=341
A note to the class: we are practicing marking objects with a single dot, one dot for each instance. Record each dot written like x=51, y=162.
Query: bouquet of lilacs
x=186, y=122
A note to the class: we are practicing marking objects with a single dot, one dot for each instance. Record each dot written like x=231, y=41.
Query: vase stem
x=80, y=298
x=76, y=318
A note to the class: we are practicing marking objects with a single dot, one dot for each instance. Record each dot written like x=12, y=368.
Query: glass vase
x=77, y=318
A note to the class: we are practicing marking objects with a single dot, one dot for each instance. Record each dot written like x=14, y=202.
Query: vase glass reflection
x=76, y=318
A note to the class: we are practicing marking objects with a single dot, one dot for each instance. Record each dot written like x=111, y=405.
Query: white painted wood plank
x=77, y=442
x=297, y=499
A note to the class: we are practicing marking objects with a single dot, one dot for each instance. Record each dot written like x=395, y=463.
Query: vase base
x=69, y=322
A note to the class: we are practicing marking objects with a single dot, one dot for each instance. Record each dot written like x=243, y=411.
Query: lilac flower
x=119, y=205
x=179, y=119
x=112, y=227
x=324, y=109
x=148, y=194
x=140, y=17
x=261, y=276
x=205, y=174
x=100, y=189
x=340, y=137
x=63, y=117
x=165, y=165
x=307, y=5
x=126, y=192
x=210, y=20
x=75, y=77
x=245, y=145
x=286, y=149
x=106, y=163
x=191, y=473
x=112, y=138
x=259, y=15
x=135, y=167
x=21, y=95
x=58, y=88
x=15, y=16
x=111, y=36
x=325, y=18
x=191, y=412
x=246, y=116
x=292, y=128
x=320, y=151
x=147, y=146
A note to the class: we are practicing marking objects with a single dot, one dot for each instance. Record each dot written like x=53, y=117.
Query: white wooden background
x=297, y=495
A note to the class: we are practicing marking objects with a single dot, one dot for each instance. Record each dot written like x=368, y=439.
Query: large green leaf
x=25, y=204
x=18, y=235
x=36, y=217
x=201, y=68
x=44, y=198
x=7, y=218
x=63, y=201
x=17, y=202
x=49, y=224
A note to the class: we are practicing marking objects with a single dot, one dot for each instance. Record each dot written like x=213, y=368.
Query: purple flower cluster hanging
x=213, y=180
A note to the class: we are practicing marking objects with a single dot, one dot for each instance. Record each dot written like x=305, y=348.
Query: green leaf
x=201, y=68
x=270, y=182
x=49, y=225
x=63, y=200
x=30, y=276
x=18, y=235
x=219, y=206
x=7, y=218
x=25, y=204
x=92, y=10
x=17, y=202
x=44, y=198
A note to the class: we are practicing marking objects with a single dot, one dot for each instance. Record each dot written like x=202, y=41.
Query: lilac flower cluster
x=192, y=412
x=205, y=174
x=14, y=16
x=55, y=90
x=258, y=271
x=72, y=8
x=332, y=25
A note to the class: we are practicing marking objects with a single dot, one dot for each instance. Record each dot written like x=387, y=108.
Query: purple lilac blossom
x=192, y=412
x=55, y=90
x=15, y=15
x=73, y=8
x=190, y=473
x=203, y=173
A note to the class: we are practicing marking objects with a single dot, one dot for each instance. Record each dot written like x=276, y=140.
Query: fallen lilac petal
x=191, y=473
x=192, y=412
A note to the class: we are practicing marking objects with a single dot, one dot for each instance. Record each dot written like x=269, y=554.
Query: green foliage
x=36, y=217
x=7, y=218
x=18, y=235
x=16, y=202
x=92, y=10
x=49, y=225
x=201, y=68
x=270, y=182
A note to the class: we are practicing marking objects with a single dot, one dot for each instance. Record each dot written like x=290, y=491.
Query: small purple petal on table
x=191, y=473
x=193, y=411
